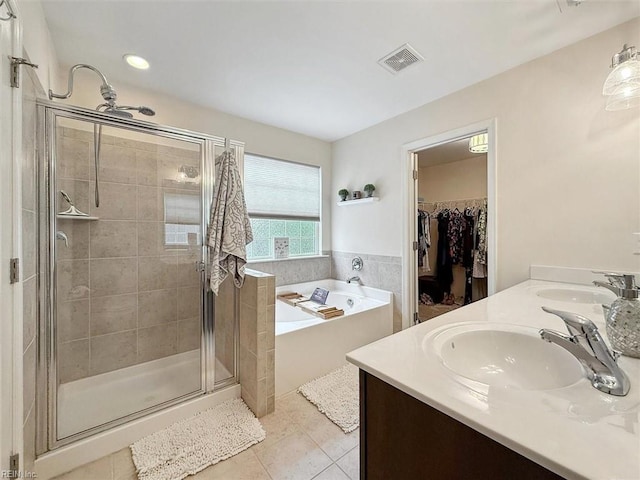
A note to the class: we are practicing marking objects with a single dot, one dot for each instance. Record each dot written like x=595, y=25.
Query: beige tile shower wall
x=378, y=271
x=225, y=325
x=296, y=270
x=257, y=342
x=124, y=297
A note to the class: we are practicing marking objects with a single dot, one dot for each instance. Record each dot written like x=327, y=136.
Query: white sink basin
x=576, y=295
x=505, y=356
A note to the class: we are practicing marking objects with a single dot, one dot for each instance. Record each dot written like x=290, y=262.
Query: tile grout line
x=260, y=461
x=332, y=464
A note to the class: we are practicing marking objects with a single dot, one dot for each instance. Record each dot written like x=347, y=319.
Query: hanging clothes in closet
x=462, y=240
x=455, y=231
x=444, y=270
x=424, y=240
x=480, y=253
x=467, y=253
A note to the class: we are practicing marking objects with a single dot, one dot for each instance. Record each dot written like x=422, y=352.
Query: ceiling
x=446, y=153
x=311, y=67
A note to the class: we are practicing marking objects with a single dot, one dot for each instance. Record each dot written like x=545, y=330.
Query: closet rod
x=461, y=200
x=474, y=202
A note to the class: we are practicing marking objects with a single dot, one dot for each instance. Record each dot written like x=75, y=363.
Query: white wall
x=37, y=42
x=259, y=138
x=458, y=180
x=10, y=354
x=568, y=171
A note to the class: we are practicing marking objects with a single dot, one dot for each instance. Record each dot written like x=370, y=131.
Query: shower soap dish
x=75, y=214
x=72, y=212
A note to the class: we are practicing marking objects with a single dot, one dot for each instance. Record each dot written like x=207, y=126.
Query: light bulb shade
x=479, y=143
x=624, y=97
x=627, y=74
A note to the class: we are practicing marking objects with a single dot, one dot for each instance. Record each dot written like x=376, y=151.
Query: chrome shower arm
x=106, y=90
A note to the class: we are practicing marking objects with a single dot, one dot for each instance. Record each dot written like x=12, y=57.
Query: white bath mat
x=191, y=445
x=337, y=396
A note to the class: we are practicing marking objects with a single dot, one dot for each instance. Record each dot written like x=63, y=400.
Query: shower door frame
x=46, y=395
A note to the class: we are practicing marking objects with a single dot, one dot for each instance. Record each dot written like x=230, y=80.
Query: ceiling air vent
x=400, y=58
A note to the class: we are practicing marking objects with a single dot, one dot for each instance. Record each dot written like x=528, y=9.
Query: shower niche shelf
x=76, y=217
x=358, y=201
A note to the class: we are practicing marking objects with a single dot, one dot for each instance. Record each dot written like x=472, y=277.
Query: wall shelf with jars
x=358, y=201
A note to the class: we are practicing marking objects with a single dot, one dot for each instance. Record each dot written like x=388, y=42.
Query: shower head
x=106, y=90
x=119, y=113
x=123, y=110
x=142, y=109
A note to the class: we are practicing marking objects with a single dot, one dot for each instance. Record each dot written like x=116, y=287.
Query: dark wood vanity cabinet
x=402, y=438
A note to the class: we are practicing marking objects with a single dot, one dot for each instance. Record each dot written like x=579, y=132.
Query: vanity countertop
x=574, y=431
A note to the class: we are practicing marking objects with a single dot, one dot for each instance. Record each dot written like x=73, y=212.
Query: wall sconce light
x=622, y=86
x=188, y=172
x=479, y=143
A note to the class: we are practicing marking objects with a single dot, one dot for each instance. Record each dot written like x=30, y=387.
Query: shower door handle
x=200, y=266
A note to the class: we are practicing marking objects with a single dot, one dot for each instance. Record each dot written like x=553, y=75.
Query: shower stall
x=127, y=324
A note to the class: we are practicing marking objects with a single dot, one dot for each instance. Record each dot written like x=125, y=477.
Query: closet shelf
x=359, y=200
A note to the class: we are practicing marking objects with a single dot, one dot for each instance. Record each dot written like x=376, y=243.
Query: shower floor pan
x=94, y=401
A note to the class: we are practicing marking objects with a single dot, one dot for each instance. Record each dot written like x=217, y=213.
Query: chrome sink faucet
x=354, y=279
x=587, y=345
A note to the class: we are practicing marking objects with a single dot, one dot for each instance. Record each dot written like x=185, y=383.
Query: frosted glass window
x=279, y=189
x=181, y=219
x=180, y=208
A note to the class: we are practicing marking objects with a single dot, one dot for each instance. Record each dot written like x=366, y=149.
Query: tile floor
x=301, y=444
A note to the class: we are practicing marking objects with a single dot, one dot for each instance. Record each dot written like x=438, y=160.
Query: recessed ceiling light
x=135, y=61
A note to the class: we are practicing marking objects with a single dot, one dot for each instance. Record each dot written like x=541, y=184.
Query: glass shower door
x=128, y=288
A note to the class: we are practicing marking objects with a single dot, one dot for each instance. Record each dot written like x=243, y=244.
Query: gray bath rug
x=193, y=444
x=337, y=396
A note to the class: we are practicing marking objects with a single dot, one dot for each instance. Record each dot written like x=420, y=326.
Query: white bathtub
x=308, y=347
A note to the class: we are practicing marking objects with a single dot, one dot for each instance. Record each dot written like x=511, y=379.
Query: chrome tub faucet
x=586, y=344
x=354, y=279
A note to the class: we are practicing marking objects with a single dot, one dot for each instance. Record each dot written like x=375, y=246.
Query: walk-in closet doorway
x=450, y=221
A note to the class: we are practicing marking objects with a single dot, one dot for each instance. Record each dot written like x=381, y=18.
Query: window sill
x=269, y=260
